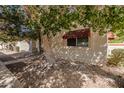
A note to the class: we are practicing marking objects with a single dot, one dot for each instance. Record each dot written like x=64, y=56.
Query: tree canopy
x=50, y=20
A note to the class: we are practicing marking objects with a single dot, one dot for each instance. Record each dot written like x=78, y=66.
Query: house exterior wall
x=27, y=46
x=19, y=46
x=23, y=45
x=96, y=52
x=112, y=46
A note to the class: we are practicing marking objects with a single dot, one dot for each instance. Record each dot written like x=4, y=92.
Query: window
x=71, y=42
x=78, y=37
x=82, y=42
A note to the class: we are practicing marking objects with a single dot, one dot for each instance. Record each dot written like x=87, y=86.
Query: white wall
x=110, y=48
x=23, y=46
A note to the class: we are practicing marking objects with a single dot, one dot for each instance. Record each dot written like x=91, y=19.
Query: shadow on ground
x=63, y=73
x=4, y=57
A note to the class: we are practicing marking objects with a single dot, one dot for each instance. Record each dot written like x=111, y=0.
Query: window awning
x=111, y=35
x=77, y=33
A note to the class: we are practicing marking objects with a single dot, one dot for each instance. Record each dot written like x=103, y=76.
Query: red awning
x=111, y=35
x=77, y=33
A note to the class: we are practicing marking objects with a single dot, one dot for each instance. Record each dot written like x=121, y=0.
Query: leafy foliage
x=117, y=58
x=53, y=19
x=12, y=20
x=49, y=20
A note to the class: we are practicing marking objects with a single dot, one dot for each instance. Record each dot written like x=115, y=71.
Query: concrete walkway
x=7, y=79
x=15, y=58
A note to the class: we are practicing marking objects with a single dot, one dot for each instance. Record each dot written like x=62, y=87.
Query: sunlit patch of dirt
x=64, y=74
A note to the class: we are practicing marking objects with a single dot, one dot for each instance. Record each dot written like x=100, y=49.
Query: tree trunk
x=40, y=41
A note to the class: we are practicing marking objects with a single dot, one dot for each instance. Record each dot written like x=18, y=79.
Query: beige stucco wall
x=96, y=52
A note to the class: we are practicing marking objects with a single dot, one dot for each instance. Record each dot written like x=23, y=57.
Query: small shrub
x=116, y=58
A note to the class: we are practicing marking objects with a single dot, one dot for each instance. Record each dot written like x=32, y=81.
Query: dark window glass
x=82, y=41
x=71, y=42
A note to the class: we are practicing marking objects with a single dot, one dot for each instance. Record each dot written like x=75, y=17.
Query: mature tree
x=49, y=20
x=12, y=24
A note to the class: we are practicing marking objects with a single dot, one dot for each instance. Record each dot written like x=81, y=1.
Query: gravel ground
x=66, y=74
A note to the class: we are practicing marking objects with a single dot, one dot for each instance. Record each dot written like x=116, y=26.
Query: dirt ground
x=66, y=74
